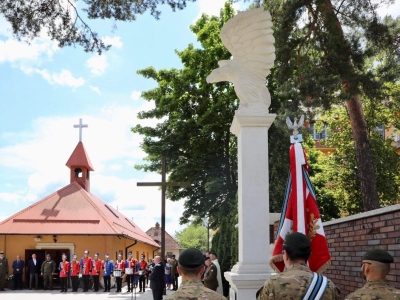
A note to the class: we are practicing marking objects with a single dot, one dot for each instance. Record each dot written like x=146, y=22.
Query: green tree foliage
x=193, y=236
x=65, y=24
x=225, y=245
x=340, y=168
x=195, y=134
x=324, y=49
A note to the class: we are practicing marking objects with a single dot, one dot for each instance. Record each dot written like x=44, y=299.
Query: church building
x=72, y=220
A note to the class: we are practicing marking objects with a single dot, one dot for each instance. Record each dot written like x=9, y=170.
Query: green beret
x=378, y=255
x=297, y=241
x=191, y=258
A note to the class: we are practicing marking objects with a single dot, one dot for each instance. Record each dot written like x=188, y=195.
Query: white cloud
x=110, y=144
x=97, y=64
x=116, y=167
x=20, y=53
x=136, y=95
x=113, y=41
x=65, y=77
x=10, y=197
x=212, y=7
x=95, y=89
x=393, y=10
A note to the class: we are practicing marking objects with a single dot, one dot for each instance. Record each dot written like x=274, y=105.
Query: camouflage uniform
x=194, y=289
x=375, y=290
x=293, y=284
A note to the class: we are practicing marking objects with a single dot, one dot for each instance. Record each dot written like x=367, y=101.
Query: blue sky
x=44, y=90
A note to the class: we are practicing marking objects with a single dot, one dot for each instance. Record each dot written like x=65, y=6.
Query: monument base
x=245, y=286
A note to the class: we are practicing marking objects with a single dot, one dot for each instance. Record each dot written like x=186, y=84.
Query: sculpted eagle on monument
x=248, y=37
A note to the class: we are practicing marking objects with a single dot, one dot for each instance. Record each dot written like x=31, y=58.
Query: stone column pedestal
x=250, y=273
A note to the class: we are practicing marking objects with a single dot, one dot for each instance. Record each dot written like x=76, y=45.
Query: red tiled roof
x=170, y=242
x=73, y=210
x=79, y=158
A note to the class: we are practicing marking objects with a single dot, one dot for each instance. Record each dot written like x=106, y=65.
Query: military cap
x=96, y=254
x=64, y=255
x=297, y=240
x=206, y=258
x=74, y=256
x=107, y=255
x=130, y=253
x=119, y=254
x=86, y=252
x=191, y=258
x=143, y=256
x=378, y=255
x=1, y=252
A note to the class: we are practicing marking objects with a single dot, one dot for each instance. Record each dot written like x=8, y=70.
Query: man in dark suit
x=157, y=279
x=18, y=270
x=34, y=271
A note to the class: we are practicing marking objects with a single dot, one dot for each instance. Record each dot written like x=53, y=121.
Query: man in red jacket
x=86, y=267
x=75, y=268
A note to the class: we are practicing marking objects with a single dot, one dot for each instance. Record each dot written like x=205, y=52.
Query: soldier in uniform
x=297, y=279
x=210, y=275
x=75, y=268
x=47, y=270
x=96, y=268
x=191, y=267
x=64, y=271
x=108, y=268
x=3, y=270
x=174, y=272
x=375, y=267
x=86, y=267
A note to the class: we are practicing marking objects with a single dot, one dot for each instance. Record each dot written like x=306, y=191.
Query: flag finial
x=296, y=137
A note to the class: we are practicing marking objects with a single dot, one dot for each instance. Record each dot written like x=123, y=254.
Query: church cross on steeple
x=80, y=126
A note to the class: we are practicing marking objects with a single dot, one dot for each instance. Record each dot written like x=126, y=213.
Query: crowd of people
x=87, y=269
x=201, y=275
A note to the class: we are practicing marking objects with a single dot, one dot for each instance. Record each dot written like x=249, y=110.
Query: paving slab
x=50, y=295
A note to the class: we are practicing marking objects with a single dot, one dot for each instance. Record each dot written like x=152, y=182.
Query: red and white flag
x=300, y=213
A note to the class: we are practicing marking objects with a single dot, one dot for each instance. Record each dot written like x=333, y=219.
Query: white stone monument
x=248, y=36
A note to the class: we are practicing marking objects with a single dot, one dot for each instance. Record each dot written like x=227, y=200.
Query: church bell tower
x=79, y=163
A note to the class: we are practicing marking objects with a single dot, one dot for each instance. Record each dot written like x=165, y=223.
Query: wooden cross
x=163, y=185
x=80, y=126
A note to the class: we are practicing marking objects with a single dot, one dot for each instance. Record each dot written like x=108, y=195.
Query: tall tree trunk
x=362, y=144
x=365, y=160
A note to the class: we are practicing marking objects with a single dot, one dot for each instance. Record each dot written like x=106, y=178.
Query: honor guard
x=75, y=268
x=297, y=281
x=64, y=270
x=120, y=267
x=47, y=270
x=108, y=268
x=142, y=274
x=130, y=267
x=375, y=267
x=86, y=266
x=3, y=270
x=96, y=268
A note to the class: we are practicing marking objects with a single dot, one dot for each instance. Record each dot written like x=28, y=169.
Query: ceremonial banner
x=300, y=213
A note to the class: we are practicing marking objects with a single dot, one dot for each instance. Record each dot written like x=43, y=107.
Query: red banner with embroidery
x=300, y=213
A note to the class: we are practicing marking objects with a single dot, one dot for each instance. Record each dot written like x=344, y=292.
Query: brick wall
x=350, y=237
